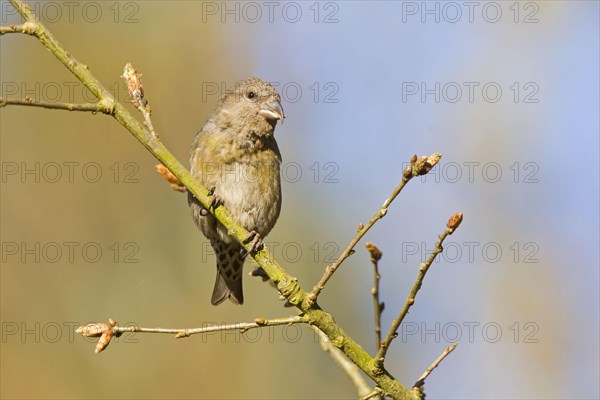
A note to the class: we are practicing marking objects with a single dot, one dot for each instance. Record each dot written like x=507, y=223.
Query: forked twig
x=418, y=166
x=452, y=224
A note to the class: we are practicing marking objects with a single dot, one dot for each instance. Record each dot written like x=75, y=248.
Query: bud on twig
x=425, y=164
x=136, y=93
x=374, y=251
x=454, y=221
x=102, y=329
x=92, y=330
x=134, y=84
x=169, y=177
x=104, y=341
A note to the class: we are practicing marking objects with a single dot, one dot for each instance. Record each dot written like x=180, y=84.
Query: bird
x=236, y=157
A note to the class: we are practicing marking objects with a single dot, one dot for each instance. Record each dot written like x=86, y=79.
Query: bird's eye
x=251, y=95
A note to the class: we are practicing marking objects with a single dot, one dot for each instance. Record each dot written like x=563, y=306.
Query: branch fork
x=180, y=178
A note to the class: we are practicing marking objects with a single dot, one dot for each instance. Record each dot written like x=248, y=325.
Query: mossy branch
x=287, y=285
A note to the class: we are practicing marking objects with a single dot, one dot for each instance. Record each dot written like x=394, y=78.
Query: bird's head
x=252, y=106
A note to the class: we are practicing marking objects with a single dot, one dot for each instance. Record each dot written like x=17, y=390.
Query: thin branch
x=342, y=361
x=451, y=226
x=242, y=327
x=90, y=107
x=25, y=28
x=421, y=381
x=145, y=110
x=418, y=166
x=377, y=306
x=287, y=285
x=374, y=394
x=101, y=328
x=136, y=93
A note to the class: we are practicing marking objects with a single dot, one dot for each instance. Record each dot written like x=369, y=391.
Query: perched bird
x=236, y=157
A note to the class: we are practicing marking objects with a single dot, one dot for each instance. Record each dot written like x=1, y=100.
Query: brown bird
x=235, y=155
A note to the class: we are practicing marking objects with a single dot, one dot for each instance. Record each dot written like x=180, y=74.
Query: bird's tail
x=228, y=284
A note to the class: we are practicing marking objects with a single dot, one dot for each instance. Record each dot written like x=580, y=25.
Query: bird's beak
x=272, y=110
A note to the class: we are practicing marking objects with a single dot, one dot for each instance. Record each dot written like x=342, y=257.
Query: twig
x=26, y=28
x=421, y=381
x=90, y=107
x=374, y=394
x=136, y=94
x=347, y=366
x=101, y=329
x=377, y=306
x=418, y=166
x=242, y=327
x=285, y=283
x=452, y=224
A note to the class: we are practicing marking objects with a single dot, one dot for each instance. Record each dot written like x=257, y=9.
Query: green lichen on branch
x=287, y=285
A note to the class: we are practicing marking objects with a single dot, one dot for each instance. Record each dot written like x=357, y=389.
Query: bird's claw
x=215, y=201
x=255, y=243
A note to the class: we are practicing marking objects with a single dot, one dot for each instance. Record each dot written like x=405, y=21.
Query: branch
x=285, y=284
x=421, y=381
x=377, y=306
x=452, y=224
x=374, y=394
x=90, y=107
x=25, y=28
x=346, y=365
x=418, y=166
x=107, y=330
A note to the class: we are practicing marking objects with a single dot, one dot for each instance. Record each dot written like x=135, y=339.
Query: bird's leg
x=216, y=201
x=255, y=243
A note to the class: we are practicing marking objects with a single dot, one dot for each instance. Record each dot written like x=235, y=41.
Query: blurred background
x=508, y=92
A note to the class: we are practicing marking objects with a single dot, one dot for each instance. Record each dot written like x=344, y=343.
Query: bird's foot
x=255, y=243
x=215, y=201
